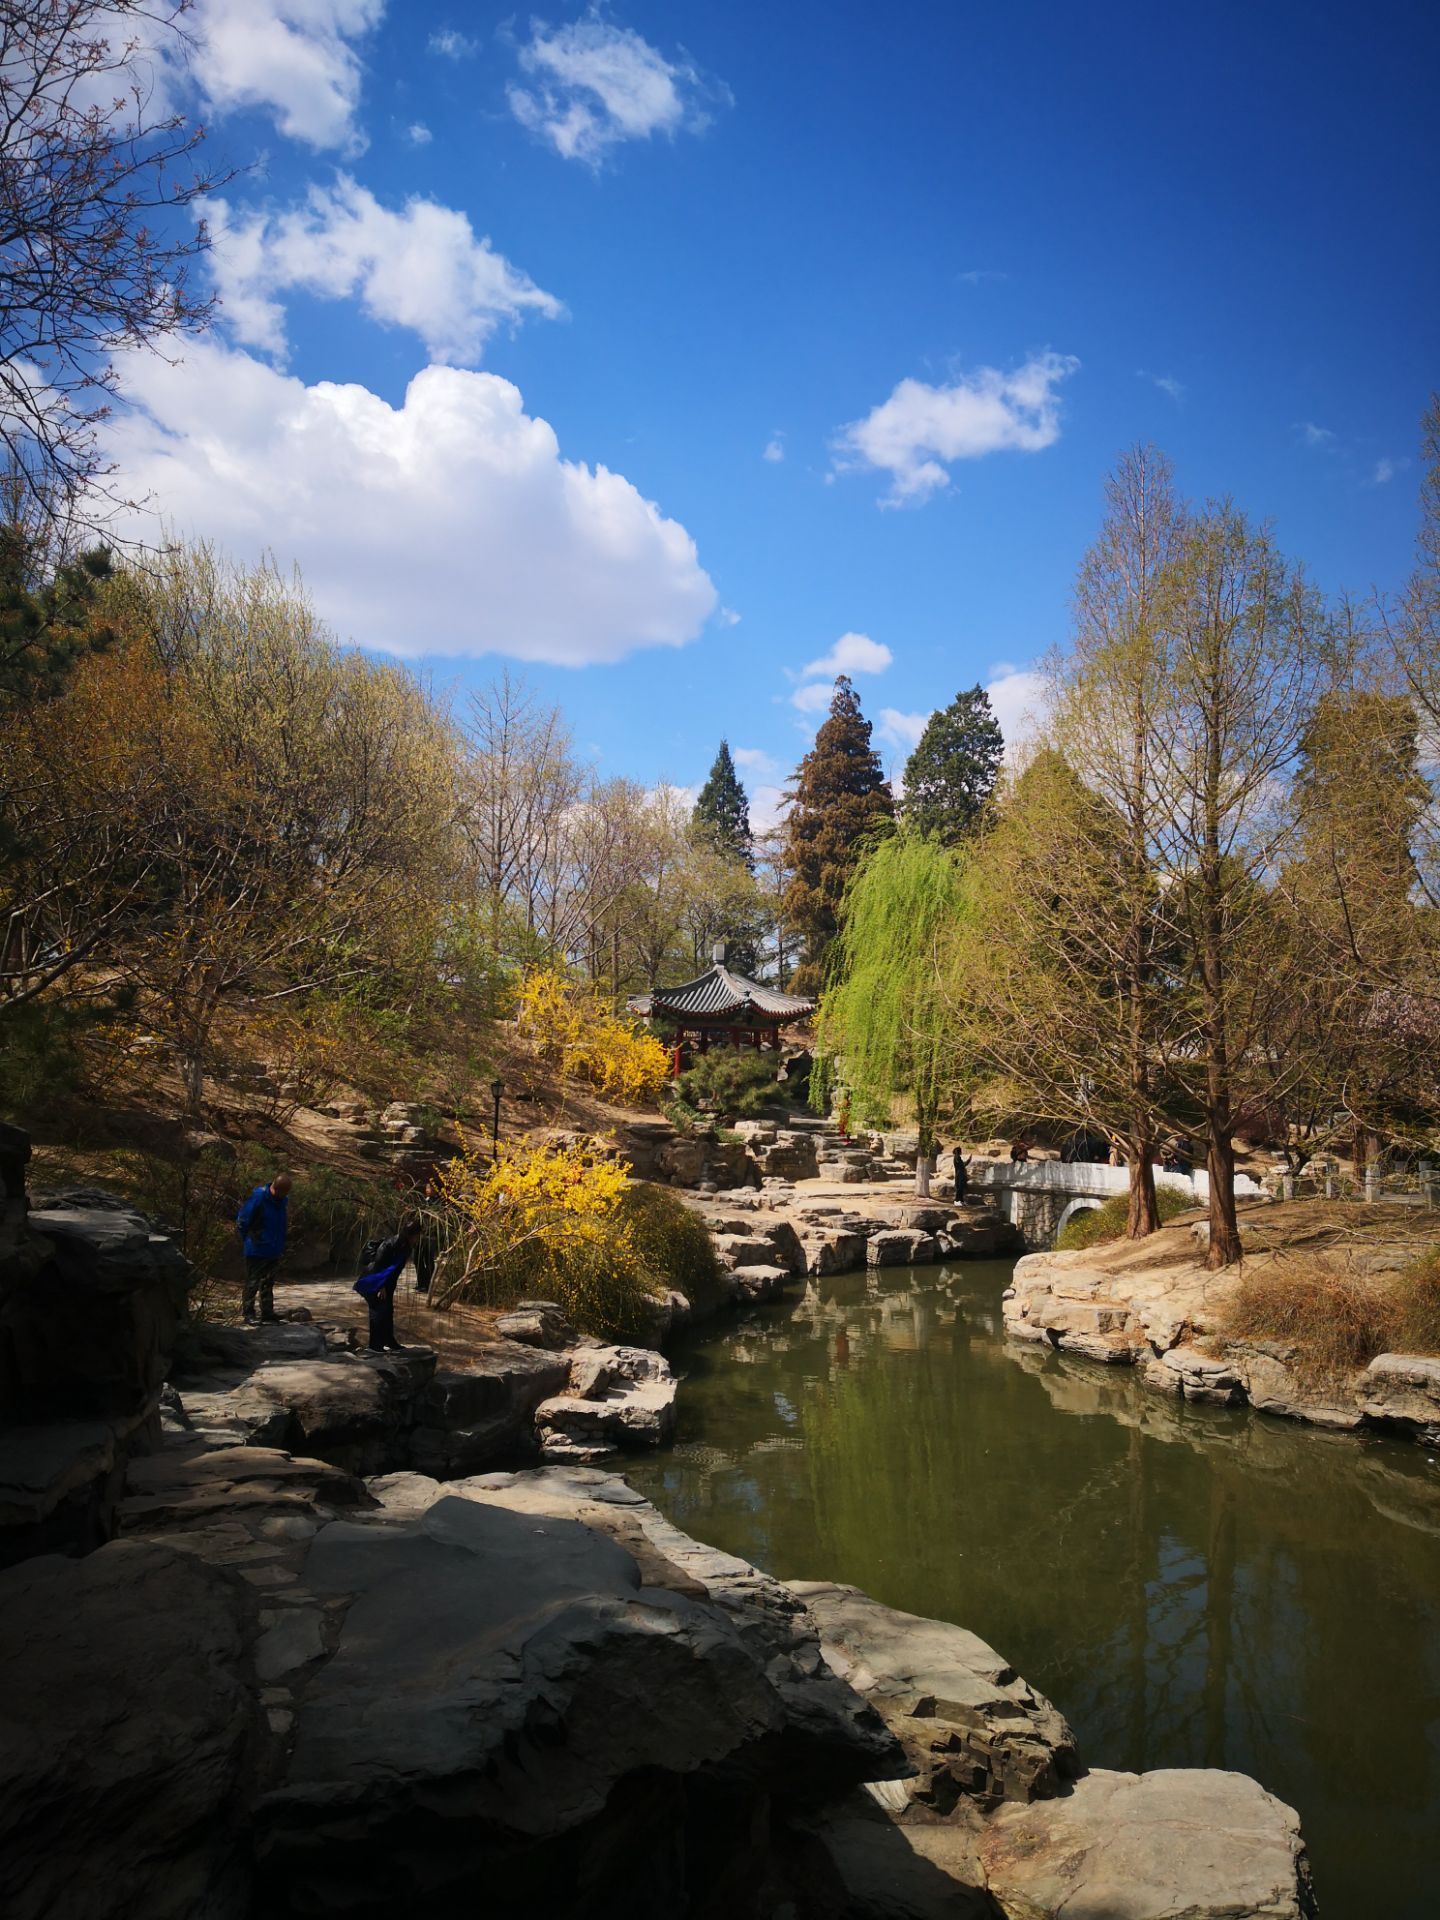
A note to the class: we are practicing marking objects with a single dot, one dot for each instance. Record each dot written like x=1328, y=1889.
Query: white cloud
x=813, y=697
x=977, y=276
x=1313, y=436
x=1385, y=471
x=418, y=134
x=851, y=653
x=1018, y=700
x=451, y=45
x=448, y=525
x=755, y=761
x=423, y=268
x=902, y=730
x=290, y=58
x=596, y=85
x=728, y=617
x=774, y=447
x=920, y=429
x=769, y=804
x=1166, y=382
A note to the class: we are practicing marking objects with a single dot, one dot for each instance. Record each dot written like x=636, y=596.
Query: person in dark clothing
x=1019, y=1151
x=962, y=1176
x=262, y=1223
x=378, y=1286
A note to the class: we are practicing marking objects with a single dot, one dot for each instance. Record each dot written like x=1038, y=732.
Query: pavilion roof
x=720, y=990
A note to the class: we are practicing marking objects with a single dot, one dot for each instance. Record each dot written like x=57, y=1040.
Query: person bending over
x=377, y=1287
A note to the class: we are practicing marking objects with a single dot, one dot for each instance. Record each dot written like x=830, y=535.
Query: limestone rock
x=1171, y=1845
x=1403, y=1389
x=352, y=1410
x=970, y=1725
x=618, y=1397
x=124, y=1735
x=536, y=1323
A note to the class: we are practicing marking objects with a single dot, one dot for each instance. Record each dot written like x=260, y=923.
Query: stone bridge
x=1039, y=1196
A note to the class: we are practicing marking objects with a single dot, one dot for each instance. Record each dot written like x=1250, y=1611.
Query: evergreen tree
x=47, y=624
x=722, y=811
x=952, y=772
x=840, y=802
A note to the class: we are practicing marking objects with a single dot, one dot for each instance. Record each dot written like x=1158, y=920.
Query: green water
x=1192, y=1587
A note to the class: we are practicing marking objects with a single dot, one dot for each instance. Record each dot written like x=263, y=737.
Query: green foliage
x=1096, y=1225
x=731, y=1080
x=951, y=774
x=47, y=623
x=885, y=1021
x=722, y=811
x=672, y=1243
x=842, y=802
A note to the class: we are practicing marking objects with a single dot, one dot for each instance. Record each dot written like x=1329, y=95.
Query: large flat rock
x=1171, y=1845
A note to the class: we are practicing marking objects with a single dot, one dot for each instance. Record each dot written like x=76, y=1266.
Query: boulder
x=1403, y=1390
x=618, y=1397
x=969, y=1724
x=123, y=1744
x=754, y=1284
x=547, y=1716
x=466, y=1422
x=354, y=1410
x=536, y=1323
x=1170, y=1845
x=898, y=1247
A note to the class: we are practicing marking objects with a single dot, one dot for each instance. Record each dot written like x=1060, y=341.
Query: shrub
x=546, y=1221
x=569, y=1026
x=1336, y=1322
x=1417, y=1306
x=672, y=1243
x=1096, y=1225
x=732, y=1081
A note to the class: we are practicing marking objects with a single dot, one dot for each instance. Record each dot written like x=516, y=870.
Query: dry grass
x=1336, y=1319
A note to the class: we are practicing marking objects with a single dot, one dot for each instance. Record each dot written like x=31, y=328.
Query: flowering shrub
x=568, y=1025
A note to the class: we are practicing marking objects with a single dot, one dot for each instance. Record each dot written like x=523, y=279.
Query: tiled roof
x=717, y=992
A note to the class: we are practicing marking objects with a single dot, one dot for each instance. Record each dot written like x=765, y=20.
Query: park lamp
x=497, y=1087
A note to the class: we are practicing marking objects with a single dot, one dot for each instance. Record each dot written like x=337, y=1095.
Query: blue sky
x=942, y=261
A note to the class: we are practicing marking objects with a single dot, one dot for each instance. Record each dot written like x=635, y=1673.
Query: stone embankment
x=282, y=1668
x=1152, y=1305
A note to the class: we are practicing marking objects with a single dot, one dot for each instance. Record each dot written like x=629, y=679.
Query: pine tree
x=722, y=811
x=841, y=802
x=950, y=775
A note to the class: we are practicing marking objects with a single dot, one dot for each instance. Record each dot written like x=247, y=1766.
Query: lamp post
x=497, y=1087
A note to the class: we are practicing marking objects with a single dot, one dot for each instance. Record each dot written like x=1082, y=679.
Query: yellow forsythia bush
x=569, y=1026
x=545, y=1221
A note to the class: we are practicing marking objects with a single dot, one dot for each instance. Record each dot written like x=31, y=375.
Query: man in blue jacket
x=261, y=1222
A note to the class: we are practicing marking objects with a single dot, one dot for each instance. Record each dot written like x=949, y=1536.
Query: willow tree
x=885, y=1021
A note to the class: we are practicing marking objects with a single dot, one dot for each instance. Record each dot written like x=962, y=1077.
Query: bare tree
x=98, y=177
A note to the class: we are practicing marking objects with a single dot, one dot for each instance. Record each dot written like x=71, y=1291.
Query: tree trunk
x=195, y=1082
x=1144, y=1214
x=1224, y=1249
x=922, y=1176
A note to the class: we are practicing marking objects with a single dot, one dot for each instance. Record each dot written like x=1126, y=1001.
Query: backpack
x=370, y=1253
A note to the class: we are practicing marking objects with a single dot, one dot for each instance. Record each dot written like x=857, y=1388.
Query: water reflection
x=1193, y=1587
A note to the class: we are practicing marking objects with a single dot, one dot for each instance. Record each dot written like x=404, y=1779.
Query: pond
x=1192, y=1587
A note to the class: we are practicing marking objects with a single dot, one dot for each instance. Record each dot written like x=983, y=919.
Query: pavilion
x=720, y=1007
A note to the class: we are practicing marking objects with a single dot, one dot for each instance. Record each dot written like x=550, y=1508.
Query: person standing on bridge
x=962, y=1175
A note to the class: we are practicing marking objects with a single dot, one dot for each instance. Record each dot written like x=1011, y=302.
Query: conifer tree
x=722, y=811
x=950, y=775
x=841, y=801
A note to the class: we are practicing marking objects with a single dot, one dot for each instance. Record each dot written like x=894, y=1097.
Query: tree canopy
x=722, y=811
x=841, y=800
x=952, y=772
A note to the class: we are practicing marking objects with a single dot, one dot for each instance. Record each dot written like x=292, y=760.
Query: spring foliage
x=885, y=1023
x=569, y=1026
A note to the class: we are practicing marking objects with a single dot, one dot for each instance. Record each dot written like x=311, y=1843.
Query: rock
x=969, y=1724
x=619, y=1397
x=1198, y=1376
x=559, y=1719
x=1171, y=1845
x=898, y=1247
x=755, y=1284
x=739, y=1250
x=124, y=1738
x=468, y=1421
x=1403, y=1390
x=352, y=1410
x=1265, y=1369
x=536, y=1323
x=190, y=1484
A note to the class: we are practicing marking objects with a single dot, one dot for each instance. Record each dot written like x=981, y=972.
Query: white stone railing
x=1091, y=1180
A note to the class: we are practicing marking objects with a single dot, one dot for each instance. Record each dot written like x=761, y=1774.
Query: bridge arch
x=1085, y=1203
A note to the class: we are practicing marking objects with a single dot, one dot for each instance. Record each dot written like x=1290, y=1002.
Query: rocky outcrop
x=1153, y=1306
x=92, y=1296
x=617, y=1397
x=1171, y=1843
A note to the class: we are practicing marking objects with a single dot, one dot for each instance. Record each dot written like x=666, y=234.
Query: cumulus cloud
x=1018, y=701
x=290, y=58
x=451, y=45
x=774, y=446
x=423, y=268
x=755, y=761
x=418, y=134
x=920, y=430
x=769, y=804
x=595, y=85
x=520, y=551
x=902, y=730
x=851, y=653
